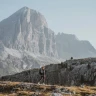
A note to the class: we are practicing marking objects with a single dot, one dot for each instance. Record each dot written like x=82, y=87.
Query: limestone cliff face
x=71, y=72
x=27, y=30
x=26, y=38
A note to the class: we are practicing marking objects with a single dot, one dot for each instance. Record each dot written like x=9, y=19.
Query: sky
x=69, y=16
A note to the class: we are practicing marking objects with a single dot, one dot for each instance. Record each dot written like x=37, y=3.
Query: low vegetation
x=8, y=88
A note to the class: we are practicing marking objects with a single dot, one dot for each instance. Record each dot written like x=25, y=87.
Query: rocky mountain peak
x=69, y=45
x=25, y=7
x=27, y=29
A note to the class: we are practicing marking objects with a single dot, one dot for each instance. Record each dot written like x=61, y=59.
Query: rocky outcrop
x=71, y=72
x=69, y=45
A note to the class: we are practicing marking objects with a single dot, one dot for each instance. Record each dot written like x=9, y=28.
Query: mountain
x=71, y=72
x=68, y=45
x=26, y=42
x=27, y=30
x=26, y=38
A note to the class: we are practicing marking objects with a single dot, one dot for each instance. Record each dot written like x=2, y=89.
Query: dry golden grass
x=84, y=90
x=45, y=90
x=1, y=94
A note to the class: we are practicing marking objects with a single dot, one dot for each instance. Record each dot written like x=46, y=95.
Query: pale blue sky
x=69, y=16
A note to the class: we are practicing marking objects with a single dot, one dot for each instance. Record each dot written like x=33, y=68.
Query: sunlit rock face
x=27, y=40
x=27, y=30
